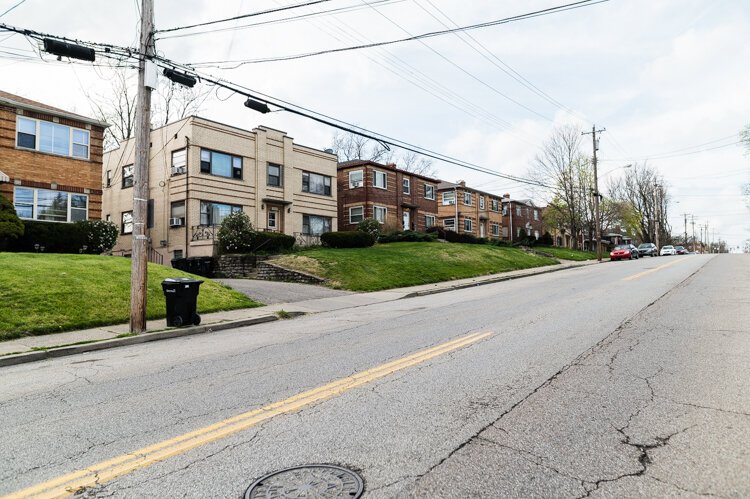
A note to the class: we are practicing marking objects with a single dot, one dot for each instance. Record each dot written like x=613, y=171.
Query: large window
x=449, y=198
x=379, y=180
x=127, y=222
x=493, y=204
x=46, y=136
x=127, y=176
x=215, y=213
x=449, y=223
x=429, y=191
x=221, y=164
x=274, y=175
x=429, y=221
x=177, y=214
x=51, y=206
x=356, y=214
x=379, y=213
x=179, y=161
x=495, y=228
x=316, y=184
x=355, y=179
x=315, y=225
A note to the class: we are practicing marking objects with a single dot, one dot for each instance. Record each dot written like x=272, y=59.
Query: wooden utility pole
x=692, y=222
x=139, y=264
x=657, y=209
x=593, y=133
x=686, y=239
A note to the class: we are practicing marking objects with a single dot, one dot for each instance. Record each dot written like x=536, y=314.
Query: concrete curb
x=493, y=280
x=64, y=351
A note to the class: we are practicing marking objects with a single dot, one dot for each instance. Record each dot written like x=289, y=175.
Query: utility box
x=181, y=294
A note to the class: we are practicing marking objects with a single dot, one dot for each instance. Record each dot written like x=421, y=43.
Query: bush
x=438, y=231
x=54, y=237
x=545, y=240
x=347, y=239
x=100, y=235
x=407, y=236
x=462, y=237
x=271, y=242
x=11, y=227
x=370, y=226
x=236, y=234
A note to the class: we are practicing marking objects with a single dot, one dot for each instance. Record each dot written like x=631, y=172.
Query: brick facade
x=41, y=170
x=470, y=211
x=410, y=208
x=522, y=219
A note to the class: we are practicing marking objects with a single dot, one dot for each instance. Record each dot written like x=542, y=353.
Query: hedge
x=271, y=242
x=98, y=236
x=455, y=237
x=347, y=239
x=407, y=236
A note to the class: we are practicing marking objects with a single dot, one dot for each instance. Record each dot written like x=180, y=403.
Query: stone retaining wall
x=270, y=272
x=237, y=266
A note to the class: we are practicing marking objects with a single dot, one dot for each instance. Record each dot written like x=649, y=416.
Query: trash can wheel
x=176, y=321
x=196, y=319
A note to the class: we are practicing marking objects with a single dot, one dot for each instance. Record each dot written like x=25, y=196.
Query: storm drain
x=315, y=481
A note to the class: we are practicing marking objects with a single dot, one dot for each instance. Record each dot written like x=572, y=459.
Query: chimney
x=506, y=195
x=462, y=183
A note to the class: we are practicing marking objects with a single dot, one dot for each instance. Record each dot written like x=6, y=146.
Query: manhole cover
x=308, y=482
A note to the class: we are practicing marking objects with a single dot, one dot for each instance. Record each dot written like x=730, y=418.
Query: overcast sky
x=669, y=79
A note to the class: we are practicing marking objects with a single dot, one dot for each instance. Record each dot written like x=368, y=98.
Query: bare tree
x=415, y=163
x=117, y=107
x=350, y=146
x=646, y=191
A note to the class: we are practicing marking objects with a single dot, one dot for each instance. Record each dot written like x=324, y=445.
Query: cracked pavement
x=580, y=392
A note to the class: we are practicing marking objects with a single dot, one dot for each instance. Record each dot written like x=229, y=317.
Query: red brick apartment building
x=521, y=219
x=50, y=161
x=467, y=210
x=392, y=196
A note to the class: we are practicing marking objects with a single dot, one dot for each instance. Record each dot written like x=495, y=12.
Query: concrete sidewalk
x=34, y=348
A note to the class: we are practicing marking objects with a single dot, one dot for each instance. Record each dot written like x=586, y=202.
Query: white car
x=667, y=250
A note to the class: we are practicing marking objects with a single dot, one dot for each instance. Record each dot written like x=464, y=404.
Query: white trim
x=360, y=182
x=355, y=208
x=405, y=182
x=4, y=177
x=38, y=139
x=35, y=204
x=375, y=215
x=433, y=192
x=375, y=174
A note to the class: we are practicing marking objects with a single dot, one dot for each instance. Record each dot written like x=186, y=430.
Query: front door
x=407, y=220
x=481, y=229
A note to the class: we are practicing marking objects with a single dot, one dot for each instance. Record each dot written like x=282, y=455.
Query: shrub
x=100, y=235
x=462, y=237
x=236, y=234
x=371, y=226
x=11, y=227
x=347, y=239
x=545, y=240
x=439, y=231
x=407, y=236
x=54, y=237
x=271, y=242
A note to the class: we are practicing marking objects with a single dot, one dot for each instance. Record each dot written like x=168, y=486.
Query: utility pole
x=686, y=239
x=595, y=142
x=139, y=264
x=692, y=221
x=657, y=209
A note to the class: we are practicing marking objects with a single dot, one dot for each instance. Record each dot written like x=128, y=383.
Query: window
x=127, y=222
x=314, y=225
x=449, y=223
x=179, y=161
x=108, y=218
x=215, y=213
x=536, y=214
x=481, y=202
x=273, y=216
x=518, y=211
x=221, y=164
x=429, y=221
x=406, y=185
x=109, y=179
x=495, y=229
x=449, y=198
x=467, y=225
x=51, y=206
x=177, y=210
x=467, y=198
x=429, y=191
x=273, y=175
x=316, y=184
x=505, y=232
x=49, y=137
x=356, y=214
x=379, y=213
x=127, y=176
x=379, y=180
x=177, y=254
x=493, y=204
x=355, y=179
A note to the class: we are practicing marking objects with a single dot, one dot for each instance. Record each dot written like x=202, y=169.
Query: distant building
x=201, y=171
x=392, y=196
x=50, y=161
x=471, y=211
x=522, y=218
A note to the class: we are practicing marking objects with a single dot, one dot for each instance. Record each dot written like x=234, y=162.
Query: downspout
x=510, y=213
x=187, y=194
x=455, y=203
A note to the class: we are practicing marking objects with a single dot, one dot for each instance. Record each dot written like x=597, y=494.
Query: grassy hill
x=45, y=293
x=394, y=265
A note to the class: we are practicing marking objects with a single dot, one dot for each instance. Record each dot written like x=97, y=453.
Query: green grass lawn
x=42, y=294
x=568, y=254
x=394, y=265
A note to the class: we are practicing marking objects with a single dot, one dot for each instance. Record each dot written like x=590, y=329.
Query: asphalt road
x=271, y=292
x=623, y=379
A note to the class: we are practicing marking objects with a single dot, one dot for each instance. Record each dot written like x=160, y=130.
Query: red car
x=624, y=251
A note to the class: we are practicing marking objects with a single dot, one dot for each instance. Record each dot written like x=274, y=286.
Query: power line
x=16, y=5
x=507, y=20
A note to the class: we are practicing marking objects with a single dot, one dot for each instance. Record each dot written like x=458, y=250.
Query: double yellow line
x=105, y=471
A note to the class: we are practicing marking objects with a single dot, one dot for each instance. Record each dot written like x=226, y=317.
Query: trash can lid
x=180, y=280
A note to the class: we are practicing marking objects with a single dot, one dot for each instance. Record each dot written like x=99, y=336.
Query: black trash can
x=181, y=294
x=178, y=263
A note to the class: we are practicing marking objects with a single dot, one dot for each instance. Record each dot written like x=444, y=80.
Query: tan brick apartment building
x=392, y=196
x=201, y=171
x=50, y=161
x=521, y=219
x=468, y=210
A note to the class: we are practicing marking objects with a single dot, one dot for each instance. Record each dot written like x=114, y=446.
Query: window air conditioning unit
x=356, y=184
x=178, y=170
x=176, y=222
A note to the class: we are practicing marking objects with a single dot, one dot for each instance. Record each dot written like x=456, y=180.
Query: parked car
x=623, y=251
x=667, y=250
x=648, y=249
x=680, y=250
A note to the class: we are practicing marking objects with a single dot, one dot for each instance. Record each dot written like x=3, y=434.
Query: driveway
x=271, y=292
